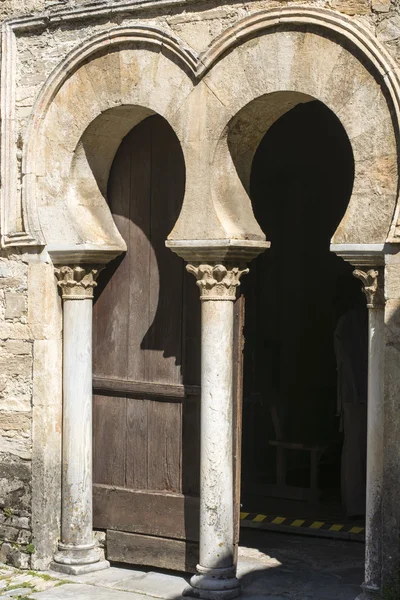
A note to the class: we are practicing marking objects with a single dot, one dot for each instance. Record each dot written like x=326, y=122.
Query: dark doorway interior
x=295, y=295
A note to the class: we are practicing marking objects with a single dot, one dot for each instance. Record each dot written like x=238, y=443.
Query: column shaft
x=216, y=462
x=373, y=550
x=76, y=551
x=372, y=280
x=216, y=573
x=77, y=423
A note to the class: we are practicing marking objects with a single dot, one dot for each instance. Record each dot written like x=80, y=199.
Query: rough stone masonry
x=16, y=360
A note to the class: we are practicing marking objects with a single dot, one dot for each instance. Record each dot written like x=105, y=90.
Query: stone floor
x=272, y=566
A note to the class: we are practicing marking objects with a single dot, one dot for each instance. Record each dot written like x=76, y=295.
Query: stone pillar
x=216, y=572
x=76, y=551
x=372, y=280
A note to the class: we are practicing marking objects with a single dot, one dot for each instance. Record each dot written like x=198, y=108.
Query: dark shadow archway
x=301, y=182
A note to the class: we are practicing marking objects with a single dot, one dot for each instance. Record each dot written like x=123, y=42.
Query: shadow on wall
x=145, y=193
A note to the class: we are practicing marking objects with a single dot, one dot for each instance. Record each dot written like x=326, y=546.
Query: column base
x=79, y=569
x=77, y=559
x=213, y=584
x=369, y=593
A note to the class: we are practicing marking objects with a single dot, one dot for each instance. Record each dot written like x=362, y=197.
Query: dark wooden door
x=238, y=357
x=146, y=365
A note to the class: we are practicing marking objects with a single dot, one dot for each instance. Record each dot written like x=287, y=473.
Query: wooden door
x=146, y=365
x=238, y=357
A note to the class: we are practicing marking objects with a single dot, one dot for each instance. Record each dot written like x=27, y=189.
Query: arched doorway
x=146, y=365
x=298, y=295
x=289, y=23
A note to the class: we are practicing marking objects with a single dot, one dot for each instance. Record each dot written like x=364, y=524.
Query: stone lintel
x=361, y=255
x=213, y=252
x=83, y=254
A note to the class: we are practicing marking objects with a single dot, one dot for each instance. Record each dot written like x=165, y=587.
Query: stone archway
x=122, y=75
x=311, y=64
x=319, y=54
x=250, y=79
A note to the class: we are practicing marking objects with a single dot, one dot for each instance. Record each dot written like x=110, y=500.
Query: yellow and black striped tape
x=310, y=526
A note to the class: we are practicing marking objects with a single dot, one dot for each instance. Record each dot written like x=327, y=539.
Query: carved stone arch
x=313, y=52
x=119, y=78
x=306, y=54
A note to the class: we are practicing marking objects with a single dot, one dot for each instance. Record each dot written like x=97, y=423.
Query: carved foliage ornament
x=217, y=282
x=372, y=281
x=77, y=283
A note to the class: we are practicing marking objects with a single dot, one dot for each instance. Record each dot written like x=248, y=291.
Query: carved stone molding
x=372, y=281
x=217, y=282
x=77, y=283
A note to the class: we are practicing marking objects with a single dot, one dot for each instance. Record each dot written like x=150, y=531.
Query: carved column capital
x=372, y=280
x=77, y=282
x=217, y=282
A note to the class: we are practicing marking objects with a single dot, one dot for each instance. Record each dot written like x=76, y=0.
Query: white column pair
x=76, y=551
x=216, y=573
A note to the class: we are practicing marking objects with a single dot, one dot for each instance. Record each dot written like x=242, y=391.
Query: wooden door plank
x=238, y=348
x=152, y=513
x=158, y=552
x=191, y=331
x=109, y=440
x=167, y=391
x=191, y=445
x=191, y=342
x=164, y=446
x=136, y=444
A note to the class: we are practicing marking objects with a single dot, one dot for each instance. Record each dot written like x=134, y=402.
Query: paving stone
x=158, y=585
x=39, y=584
x=266, y=597
x=19, y=592
x=107, y=577
x=71, y=591
x=22, y=578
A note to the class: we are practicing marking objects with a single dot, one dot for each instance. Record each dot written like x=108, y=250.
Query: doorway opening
x=146, y=365
x=305, y=357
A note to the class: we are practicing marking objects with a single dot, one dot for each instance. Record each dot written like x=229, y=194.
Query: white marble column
x=76, y=551
x=216, y=572
x=372, y=280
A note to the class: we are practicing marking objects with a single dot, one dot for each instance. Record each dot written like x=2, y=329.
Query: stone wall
x=196, y=24
x=30, y=410
x=199, y=21
x=16, y=360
